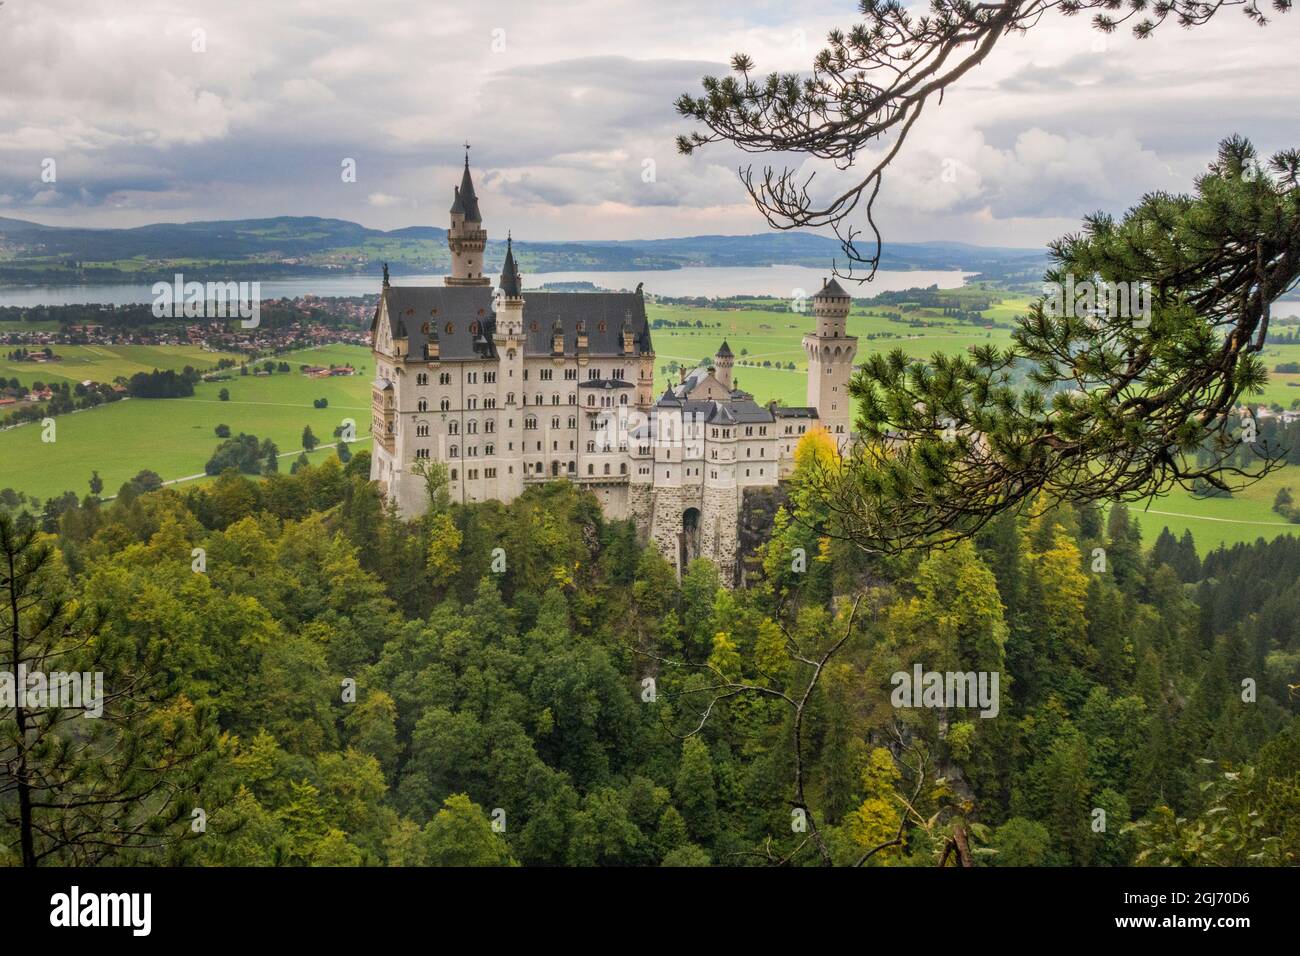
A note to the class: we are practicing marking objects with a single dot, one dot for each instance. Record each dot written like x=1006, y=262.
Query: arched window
x=454, y=474
x=453, y=428
x=453, y=452
x=445, y=405
x=422, y=405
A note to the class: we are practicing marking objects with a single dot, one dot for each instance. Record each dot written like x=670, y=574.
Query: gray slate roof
x=510, y=283
x=831, y=288
x=449, y=313
x=466, y=200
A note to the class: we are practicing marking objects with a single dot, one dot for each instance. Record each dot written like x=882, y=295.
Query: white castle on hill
x=508, y=389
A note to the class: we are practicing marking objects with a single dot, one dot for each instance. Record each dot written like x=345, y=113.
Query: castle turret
x=830, y=350
x=510, y=310
x=466, y=238
x=722, y=363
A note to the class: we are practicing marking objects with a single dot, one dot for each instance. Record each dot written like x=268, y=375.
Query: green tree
x=461, y=835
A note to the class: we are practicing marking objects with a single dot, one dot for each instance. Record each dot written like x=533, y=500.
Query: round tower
x=722, y=363
x=830, y=350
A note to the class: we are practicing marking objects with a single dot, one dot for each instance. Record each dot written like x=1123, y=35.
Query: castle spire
x=466, y=198
x=510, y=284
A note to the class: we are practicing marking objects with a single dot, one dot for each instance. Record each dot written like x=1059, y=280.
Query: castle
x=508, y=389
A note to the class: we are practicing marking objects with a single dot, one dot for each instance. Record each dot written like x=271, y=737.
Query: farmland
x=104, y=363
x=175, y=437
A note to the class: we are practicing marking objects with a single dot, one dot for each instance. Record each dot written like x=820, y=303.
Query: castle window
x=445, y=404
x=450, y=328
x=573, y=398
x=472, y=402
x=454, y=474
x=421, y=453
x=422, y=430
x=444, y=378
x=453, y=428
x=537, y=400
x=570, y=374
x=453, y=451
x=622, y=399
x=555, y=399
x=591, y=399
x=591, y=469
x=490, y=426
x=510, y=398
x=472, y=427
x=622, y=468
x=421, y=378
x=490, y=377
x=607, y=468
x=422, y=405
x=573, y=422
x=530, y=423
x=591, y=446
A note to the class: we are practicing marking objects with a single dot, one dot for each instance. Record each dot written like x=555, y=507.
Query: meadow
x=104, y=363
x=175, y=437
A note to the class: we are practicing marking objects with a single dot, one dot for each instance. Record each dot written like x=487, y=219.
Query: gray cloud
x=569, y=105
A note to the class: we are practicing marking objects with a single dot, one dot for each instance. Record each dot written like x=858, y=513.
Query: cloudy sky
x=565, y=102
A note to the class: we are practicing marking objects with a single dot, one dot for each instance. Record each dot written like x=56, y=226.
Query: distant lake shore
x=783, y=281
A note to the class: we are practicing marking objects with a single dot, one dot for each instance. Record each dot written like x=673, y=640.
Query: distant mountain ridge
x=309, y=245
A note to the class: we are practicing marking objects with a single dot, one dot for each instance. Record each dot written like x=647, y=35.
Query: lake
x=782, y=281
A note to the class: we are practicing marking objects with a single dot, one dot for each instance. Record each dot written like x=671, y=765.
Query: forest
x=296, y=676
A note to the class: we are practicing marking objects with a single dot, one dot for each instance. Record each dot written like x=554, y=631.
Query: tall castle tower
x=722, y=363
x=830, y=351
x=466, y=237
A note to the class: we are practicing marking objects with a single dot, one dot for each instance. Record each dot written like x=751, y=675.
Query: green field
x=757, y=336
x=175, y=437
x=104, y=363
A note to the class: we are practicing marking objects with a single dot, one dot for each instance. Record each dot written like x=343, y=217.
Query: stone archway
x=689, y=537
